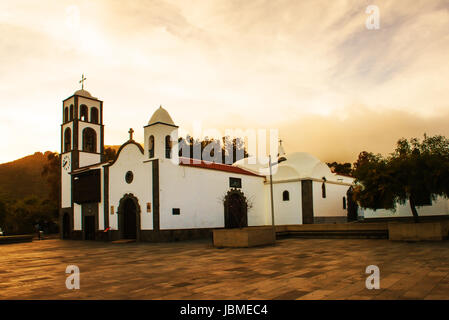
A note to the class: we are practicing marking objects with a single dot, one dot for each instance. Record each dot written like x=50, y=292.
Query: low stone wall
x=245, y=237
x=332, y=227
x=324, y=220
x=353, y=230
x=433, y=231
x=175, y=235
x=435, y=218
x=16, y=239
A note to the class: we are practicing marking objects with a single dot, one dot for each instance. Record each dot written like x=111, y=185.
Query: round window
x=129, y=177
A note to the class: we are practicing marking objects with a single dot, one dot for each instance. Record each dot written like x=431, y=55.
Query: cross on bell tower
x=131, y=131
x=82, y=81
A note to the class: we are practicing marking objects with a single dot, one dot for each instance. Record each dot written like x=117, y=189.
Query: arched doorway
x=66, y=226
x=89, y=227
x=89, y=140
x=236, y=209
x=129, y=217
x=352, y=206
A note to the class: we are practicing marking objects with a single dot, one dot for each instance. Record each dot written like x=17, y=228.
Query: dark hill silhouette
x=22, y=178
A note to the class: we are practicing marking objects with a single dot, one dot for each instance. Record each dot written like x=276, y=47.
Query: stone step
x=335, y=234
x=332, y=227
x=124, y=241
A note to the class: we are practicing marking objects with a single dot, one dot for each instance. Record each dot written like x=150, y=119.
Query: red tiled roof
x=214, y=166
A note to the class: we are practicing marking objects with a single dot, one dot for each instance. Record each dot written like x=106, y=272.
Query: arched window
x=285, y=196
x=66, y=114
x=84, y=113
x=167, y=147
x=67, y=140
x=94, y=115
x=323, y=188
x=71, y=112
x=89, y=140
x=344, y=202
x=151, y=146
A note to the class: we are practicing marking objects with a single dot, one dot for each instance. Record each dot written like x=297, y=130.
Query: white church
x=149, y=193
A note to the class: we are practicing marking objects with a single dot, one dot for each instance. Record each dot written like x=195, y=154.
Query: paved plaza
x=293, y=269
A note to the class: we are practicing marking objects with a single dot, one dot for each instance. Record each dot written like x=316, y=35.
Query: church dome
x=307, y=166
x=83, y=93
x=298, y=165
x=161, y=115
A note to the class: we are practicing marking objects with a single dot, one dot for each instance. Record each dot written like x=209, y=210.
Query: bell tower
x=82, y=137
x=161, y=135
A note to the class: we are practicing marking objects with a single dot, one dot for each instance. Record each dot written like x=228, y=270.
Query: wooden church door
x=235, y=210
x=89, y=227
x=129, y=220
x=66, y=226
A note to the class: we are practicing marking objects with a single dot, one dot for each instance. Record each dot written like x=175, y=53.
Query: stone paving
x=292, y=269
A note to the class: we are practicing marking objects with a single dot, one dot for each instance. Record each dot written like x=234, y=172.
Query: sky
x=310, y=69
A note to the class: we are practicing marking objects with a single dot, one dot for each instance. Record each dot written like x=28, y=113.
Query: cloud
x=300, y=66
x=333, y=138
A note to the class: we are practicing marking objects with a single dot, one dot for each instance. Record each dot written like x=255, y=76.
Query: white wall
x=285, y=212
x=131, y=159
x=101, y=204
x=332, y=205
x=87, y=159
x=68, y=102
x=66, y=184
x=77, y=217
x=198, y=193
x=439, y=207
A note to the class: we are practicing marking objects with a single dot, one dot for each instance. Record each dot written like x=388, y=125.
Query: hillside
x=22, y=177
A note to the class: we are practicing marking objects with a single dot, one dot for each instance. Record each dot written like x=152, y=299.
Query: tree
x=373, y=182
x=340, y=168
x=22, y=215
x=231, y=150
x=110, y=154
x=51, y=171
x=417, y=171
x=2, y=213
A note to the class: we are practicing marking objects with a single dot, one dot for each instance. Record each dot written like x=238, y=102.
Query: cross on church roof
x=281, y=150
x=131, y=131
x=82, y=81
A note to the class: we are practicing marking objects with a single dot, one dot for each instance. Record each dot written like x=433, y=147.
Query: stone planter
x=245, y=237
x=433, y=231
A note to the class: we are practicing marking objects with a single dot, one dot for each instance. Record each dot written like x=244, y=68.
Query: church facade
x=149, y=193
